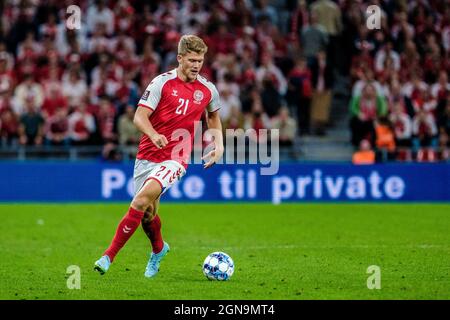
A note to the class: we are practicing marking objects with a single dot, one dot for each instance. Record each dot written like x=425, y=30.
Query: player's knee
x=141, y=203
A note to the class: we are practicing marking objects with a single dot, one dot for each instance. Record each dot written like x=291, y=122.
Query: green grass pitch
x=289, y=251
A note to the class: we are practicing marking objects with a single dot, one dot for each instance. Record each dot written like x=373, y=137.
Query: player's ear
x=179, y=58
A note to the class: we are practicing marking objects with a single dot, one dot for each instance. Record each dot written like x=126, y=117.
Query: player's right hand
x=159, y=140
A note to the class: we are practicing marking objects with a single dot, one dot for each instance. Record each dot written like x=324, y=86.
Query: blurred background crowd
x=275, y=64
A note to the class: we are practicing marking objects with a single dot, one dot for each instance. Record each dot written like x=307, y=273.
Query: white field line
x=418, y=246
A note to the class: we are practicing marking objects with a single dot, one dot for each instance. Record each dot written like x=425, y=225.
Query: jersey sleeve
x=152, y=94
x=214, y=104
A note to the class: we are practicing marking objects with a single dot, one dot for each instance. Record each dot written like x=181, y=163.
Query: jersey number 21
x=183, y=103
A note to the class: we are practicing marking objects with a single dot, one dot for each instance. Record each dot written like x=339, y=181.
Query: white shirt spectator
x=81, y=125
x=102, y=15
x=228, y=101
x=97, y=42
x=428, y=120
x=446, y=38
x=272, y=70
x=61, y=39
x=402, y=125
x=380, y=58
x=409, y=87
x=25, y=91
x=435, y=88
x=75, y=91
x=233, y=87
x=360, y=84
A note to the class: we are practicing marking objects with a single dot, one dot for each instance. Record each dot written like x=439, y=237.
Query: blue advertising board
x=91, y=181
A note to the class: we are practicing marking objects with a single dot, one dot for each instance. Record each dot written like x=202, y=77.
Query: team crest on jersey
x=198, y=96
x=145, y=95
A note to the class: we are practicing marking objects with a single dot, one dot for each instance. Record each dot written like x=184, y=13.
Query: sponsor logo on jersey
x=198, y=96
x=174, y=93
x=145, y=95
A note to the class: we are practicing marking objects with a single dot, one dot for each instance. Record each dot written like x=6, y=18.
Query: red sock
x=155, y=234
x=125, y=230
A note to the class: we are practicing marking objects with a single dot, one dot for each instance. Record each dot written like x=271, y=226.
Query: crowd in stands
x=273, y=62
x=400, y=101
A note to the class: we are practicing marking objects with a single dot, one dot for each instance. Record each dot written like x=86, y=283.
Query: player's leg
x=130, y=222
x=151, y=224
x=167, y=173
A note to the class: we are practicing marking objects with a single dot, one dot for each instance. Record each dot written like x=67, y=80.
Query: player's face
x=190, y=64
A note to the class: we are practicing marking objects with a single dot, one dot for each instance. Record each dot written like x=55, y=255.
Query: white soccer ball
x=218, y=266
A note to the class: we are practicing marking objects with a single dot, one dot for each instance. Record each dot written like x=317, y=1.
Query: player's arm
x=215, y=128
x=142, y=122
x=146, y=106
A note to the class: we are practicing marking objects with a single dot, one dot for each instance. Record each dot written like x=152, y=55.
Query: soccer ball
x=218, y=266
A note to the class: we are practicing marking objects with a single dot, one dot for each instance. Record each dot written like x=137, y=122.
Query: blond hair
x=191, y=43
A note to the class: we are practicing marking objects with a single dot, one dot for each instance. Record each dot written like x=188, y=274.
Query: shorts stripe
x=161, y=185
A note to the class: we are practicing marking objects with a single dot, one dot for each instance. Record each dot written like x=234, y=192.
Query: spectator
x=99, y=13
x=423, y=100
x=57, y=128
x=365, y=154
x=364, y=111
x=440, y=90
x=444, y=131
x=9, y=128
x=222, y=41
x=367, y=77
x=299, y=18
x=299, y=94
x=81, y=125
x=105, y=117
x=287, y=127
x=268, y=70
x=74, y=89
x=385, y=54
x=234, y=121
x=361, y=62
x=402, y=125
x=329, y=15
x=105, y=86
x=128, y=92
x=385, y=138
x=228, y=99
x=149, y=64
x=322, y=78
x=263, y=9
x=29, y=48
x=247, y=42
x=257, y=119
x=54, y=101
x=314, y=39
x=409, y=57
x=270, y=98
x=128, y=133
x=31, y=128
x=7, y=78
x=396, y=100
x=424, y=131
x=25, y=91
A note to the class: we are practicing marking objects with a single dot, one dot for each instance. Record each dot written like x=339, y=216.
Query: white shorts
x=165, y=173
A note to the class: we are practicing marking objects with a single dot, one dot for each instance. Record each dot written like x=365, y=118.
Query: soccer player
x=171, y=105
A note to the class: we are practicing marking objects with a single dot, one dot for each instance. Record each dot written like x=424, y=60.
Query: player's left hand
x=213, y=156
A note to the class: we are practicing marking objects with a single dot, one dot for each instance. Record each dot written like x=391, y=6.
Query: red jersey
x=177, y=106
